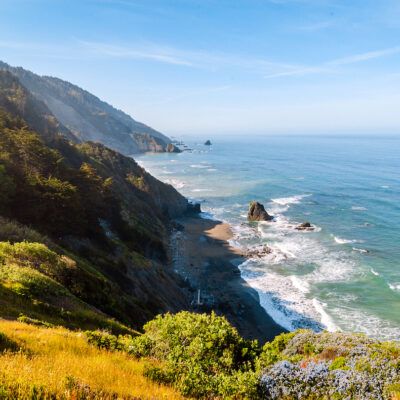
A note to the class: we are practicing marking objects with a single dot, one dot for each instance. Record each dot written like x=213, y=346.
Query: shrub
x=272, y=351
x=202, y=355
x=33, y=321
x=105, y=340
x=338, y=363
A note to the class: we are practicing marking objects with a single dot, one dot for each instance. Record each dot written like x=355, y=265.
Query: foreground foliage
x=54, y=363
x=198, y=355
x=203, y=356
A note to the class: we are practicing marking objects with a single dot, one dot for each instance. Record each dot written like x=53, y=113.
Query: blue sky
x=220, y=66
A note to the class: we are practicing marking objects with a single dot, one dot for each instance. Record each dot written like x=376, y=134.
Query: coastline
x=205, y=259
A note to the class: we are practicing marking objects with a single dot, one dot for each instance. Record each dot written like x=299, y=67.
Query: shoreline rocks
x=257, y=212
x=193, y=208
x=305, y=226
x=171, y=148
x=258, y=252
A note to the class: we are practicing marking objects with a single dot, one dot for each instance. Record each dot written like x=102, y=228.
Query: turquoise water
x=345, y=275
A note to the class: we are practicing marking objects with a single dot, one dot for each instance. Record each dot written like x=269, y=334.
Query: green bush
x=272, y=351
x=202, y=355
x=338, y=363
x=107, y=341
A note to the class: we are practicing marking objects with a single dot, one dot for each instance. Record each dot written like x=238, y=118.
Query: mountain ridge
x=87, y=117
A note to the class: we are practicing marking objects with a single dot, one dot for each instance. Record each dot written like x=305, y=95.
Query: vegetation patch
x=60, y=364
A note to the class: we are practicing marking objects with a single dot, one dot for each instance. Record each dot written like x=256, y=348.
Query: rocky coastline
x=202, y=256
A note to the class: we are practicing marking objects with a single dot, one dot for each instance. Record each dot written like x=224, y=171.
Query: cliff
x=100, y=217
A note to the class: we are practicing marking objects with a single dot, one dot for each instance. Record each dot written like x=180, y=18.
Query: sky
x=221, y=67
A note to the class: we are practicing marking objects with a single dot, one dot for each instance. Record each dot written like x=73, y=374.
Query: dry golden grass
x=52, y=356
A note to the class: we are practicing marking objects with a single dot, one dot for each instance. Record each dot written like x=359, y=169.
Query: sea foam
x=284, y=201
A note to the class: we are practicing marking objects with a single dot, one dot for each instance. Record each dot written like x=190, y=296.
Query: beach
x=205, y=259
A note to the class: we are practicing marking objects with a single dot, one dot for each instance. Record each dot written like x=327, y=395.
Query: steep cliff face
x=88, y=203
x=89, y=118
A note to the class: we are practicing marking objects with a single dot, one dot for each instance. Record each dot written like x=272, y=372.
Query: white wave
x=287, y=305
x=356, y=320
x=385, y=186
x=359, y=250
x=199, y=166
x=212, y=169
x=300, y=284
x=374, y=272
x=206, y=215
x=326, y=319
x=286, y=249
x=202, y=190
x=345, y=241
x=284, y=201
x=289, y=247
x=358, y=208
x=394, y=286
x=176, y=183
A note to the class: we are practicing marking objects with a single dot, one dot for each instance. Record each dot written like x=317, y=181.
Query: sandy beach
x=204, y=257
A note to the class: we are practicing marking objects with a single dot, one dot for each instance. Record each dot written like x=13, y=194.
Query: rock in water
x=257, y=212
x=207, y=143
x=171, y=148
x=305, y=226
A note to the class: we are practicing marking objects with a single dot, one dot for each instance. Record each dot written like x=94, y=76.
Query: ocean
x=344, y=275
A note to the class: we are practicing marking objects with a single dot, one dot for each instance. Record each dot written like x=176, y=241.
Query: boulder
x=171, y=148
x=305, y=226
x=257, y=212
x=207, y=143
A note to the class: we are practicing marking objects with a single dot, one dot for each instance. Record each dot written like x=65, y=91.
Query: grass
x=60, y=363
x=29, y=286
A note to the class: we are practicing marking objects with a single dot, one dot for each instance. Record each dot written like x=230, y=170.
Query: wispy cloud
x=187, y=58
x=152, y=53
x=331, y=66
x=356, y=58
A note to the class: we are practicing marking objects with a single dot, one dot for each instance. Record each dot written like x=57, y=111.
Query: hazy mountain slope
x=89, y=118
x=15, y=99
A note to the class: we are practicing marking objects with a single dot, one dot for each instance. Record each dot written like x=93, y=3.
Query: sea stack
x=207, y=143
x=257, y=212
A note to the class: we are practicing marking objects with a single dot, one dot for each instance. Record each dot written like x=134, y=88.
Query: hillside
x=54, y=363
x=100, y=218
x=87, y=117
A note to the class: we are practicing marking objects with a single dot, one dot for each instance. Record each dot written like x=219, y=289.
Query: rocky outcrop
x=193, y=208
x=207, y=143
x=258, y=251
x=171, y=148
x=257, y=212
x=305, y=226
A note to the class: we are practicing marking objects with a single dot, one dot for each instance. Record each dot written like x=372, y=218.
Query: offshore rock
x=305, y=226
x=207, y=143
x=257, y=212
